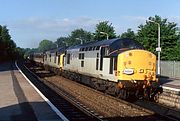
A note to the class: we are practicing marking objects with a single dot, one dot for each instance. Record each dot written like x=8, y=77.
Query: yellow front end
x=136, y=65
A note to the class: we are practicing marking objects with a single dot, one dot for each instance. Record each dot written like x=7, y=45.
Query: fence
x=170, y=69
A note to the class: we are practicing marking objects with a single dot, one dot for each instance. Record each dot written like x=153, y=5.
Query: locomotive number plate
x=128, y=71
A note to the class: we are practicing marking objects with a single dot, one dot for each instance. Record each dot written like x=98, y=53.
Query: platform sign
x=158, y=49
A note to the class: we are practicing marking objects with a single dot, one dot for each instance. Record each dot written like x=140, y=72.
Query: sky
x=31, y=21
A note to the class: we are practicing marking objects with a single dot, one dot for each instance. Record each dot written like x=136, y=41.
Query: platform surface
x=170, y=83
x=18, y=99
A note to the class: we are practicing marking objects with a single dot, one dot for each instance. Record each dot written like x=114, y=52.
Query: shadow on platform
x=15, y=113
x=164, y=80
x=22, y=112
x=7, y=66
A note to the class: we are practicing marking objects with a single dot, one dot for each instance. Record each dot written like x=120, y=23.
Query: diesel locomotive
x=121, y=67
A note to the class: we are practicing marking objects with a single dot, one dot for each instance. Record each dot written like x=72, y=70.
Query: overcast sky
x=31, y=21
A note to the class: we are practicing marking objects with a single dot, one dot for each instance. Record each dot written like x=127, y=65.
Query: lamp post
x=107, y=36
x=80, y=40
x=158, y=49
x=56, y=45
x=66, y=44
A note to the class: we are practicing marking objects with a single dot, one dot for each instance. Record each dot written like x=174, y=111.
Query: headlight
x=141, y=71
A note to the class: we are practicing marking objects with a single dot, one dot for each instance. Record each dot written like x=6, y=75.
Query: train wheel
x=78, y=78
x=139, y=94
x=147, y=93
x=118, y=93
x=123, y=94
x=126, y=94
x=96, y=86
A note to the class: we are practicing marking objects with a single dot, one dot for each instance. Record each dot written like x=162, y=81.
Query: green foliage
x=20, y=52
x=104, y=27
x=45, y=45
x=5, y=38
x=62, y=41
x=129, y=34
x=80, y=36
x=177, y=52
x=7, y=45
x=148, y=36
x=26, y=52
x=75, y=38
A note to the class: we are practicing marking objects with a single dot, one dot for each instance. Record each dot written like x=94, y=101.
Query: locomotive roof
x=94, y=43
x=116, y=43
x=59, y=50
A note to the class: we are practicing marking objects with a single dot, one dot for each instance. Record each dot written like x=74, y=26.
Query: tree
x=175, y=54
x=27, y=51
x=4, y=37
x=45, y=45
x=79, y=35
x=129, y=34
x=20, y=52
x=62, y=41
x=148, y=34
x=104, y=27
x=75, y=38
x=7, y=45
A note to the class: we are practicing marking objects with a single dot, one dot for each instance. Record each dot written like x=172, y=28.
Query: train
x=121, y=67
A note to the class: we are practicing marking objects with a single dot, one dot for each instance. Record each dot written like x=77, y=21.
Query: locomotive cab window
x=115, y=63
x=111, y=66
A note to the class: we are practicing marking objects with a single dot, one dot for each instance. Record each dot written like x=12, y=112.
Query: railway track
x=111, y=108
x=163, y=110
x=69, y=107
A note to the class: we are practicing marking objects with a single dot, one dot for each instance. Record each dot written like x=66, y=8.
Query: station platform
x=19, y=101
x=171, y=84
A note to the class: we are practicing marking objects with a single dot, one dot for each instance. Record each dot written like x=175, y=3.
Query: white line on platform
x=170, y=88
x=45, y=99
